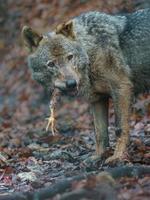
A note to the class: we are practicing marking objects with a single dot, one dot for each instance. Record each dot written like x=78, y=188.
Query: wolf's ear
x=30, y=38
x=66, y=29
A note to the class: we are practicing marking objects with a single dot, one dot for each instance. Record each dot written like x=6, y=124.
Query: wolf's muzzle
x=69, y=87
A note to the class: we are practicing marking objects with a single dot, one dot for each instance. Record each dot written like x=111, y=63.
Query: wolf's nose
x=71, y=84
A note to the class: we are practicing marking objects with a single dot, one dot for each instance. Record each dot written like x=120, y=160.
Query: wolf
x=99, y=56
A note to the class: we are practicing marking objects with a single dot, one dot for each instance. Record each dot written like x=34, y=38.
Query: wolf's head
x=58, y=59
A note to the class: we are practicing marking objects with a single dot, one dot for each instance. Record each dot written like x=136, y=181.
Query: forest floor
x=30, y=157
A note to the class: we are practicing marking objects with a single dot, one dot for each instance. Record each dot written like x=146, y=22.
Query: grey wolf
x=100, y=56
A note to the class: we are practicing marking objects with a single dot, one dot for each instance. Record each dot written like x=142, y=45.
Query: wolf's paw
x=118, y=158
x=114, y=158
x=93, y=162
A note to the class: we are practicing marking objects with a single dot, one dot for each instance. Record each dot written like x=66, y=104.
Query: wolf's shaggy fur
x=110, y=56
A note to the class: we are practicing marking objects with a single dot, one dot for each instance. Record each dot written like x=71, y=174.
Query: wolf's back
x=135, y=44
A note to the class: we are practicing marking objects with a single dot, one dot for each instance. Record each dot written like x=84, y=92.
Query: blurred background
x=24, y=103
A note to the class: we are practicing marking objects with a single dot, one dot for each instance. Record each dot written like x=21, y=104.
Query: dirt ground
x=30, y=157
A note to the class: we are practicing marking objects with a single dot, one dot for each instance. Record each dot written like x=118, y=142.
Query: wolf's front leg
x=100, y=113
x=122, y=101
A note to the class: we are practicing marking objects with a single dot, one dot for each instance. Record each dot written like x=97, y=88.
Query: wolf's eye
x=69, y=57
x=50, y=63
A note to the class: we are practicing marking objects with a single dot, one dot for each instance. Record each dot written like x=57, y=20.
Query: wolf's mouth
x=73, y=92
x=65, y=90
